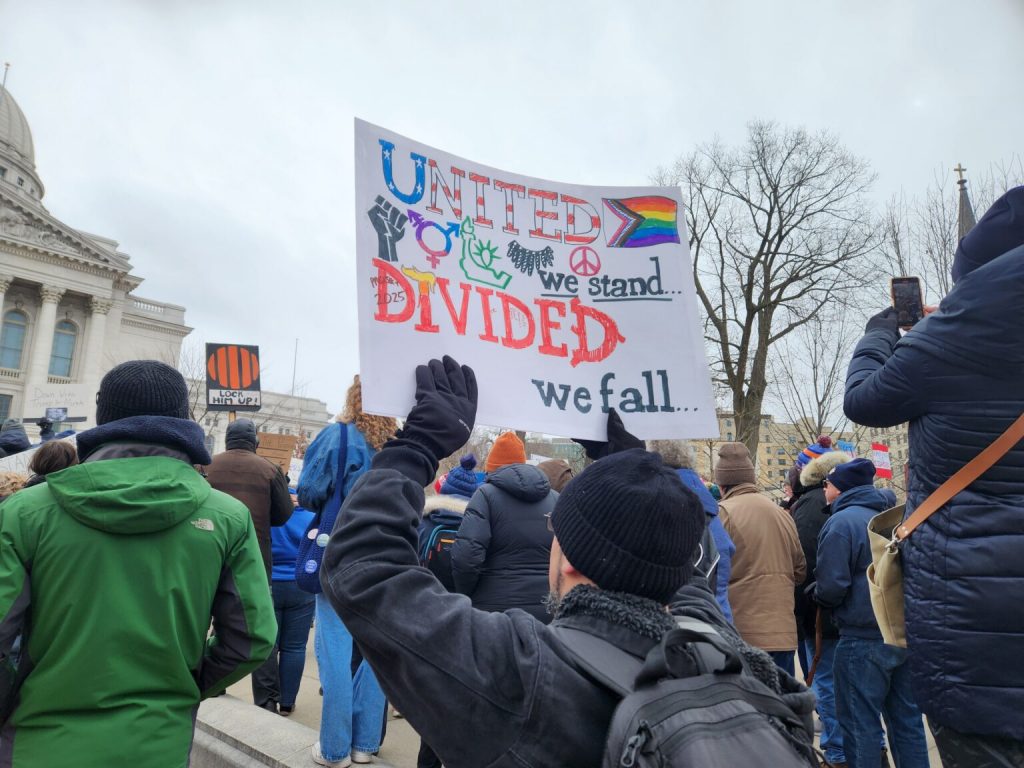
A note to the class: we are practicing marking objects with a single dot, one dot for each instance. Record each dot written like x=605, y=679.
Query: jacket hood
x=861, y=496
x=130, y=496
x=1001, y=229
x=441, y=501
x=521, y=481
x=241, y=433
x=814, y=473
x=692, y=481
x=13, y=438
x=979, y=321
x=181, y=434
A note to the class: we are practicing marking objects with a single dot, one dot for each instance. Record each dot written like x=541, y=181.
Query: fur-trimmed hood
x=817, y=469
x=441, y=501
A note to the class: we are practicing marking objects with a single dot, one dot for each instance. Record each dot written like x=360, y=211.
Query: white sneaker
x=361, y=757
x=319, y=759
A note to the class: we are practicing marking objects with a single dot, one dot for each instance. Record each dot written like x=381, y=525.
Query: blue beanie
x=852, y=474
x=629, y=524
x=1001, y=229
x=462, y=480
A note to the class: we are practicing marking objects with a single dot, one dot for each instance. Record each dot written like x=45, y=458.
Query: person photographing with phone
x=956, y=377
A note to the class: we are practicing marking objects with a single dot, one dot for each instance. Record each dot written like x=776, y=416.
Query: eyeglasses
x=548, y=518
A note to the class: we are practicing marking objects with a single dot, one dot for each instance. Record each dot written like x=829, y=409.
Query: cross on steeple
x=960, y=171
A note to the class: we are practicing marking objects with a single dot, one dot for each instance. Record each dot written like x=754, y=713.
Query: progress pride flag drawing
x=566, y=300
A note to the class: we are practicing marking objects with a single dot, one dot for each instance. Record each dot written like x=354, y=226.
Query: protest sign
x=277, y=448
x=78, y=400
x=232, y=377
x=566, y=300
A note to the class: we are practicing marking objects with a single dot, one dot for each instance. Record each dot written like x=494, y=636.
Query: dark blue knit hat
x=462, y=480
x=629, y=524
x=1001, y=229
x=851, y=474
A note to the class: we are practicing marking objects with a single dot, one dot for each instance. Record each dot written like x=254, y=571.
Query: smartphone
x=908, y=300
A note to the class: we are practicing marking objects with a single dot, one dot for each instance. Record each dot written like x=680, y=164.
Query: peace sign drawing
x=584, y=261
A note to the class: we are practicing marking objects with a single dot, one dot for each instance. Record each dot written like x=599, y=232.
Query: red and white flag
x=880, y=458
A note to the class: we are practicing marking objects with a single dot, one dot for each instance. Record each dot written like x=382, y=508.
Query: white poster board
x=566, y=300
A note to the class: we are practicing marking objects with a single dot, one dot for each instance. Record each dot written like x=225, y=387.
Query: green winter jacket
x=112, y=571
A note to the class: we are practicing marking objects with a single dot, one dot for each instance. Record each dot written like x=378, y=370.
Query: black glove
x=619, y=439
x=442, y=419
x=887, y=320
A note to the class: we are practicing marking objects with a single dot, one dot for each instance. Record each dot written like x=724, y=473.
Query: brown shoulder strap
x=964, y=477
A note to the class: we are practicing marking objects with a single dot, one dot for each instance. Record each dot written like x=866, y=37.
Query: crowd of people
x=526, y=615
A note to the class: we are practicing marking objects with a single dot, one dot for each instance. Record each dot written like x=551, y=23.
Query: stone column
x=42, y=338
x=93, y=367
x=5, y=283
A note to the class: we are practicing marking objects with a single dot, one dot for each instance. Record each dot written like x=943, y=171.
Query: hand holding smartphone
x=907, y=300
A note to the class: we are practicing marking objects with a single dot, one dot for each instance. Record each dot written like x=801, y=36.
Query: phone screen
x=906, y=299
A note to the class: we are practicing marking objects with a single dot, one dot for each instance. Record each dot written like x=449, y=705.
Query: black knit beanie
x=141, y=388
x=629, y=524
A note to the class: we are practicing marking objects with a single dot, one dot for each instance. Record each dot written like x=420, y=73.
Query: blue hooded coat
x=726, y=549
x=958, y=378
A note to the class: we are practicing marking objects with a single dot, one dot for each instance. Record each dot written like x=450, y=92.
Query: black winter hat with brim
x=141, y=388
x=629, y=524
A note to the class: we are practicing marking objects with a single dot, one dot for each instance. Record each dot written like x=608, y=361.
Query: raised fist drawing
x=389, y=223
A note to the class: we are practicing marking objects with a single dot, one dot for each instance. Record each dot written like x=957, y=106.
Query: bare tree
x=779, y=228
x=920, y=234
x=809, y=376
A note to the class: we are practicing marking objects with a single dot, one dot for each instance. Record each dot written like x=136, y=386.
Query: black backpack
x=691, y=702
x=437, y=537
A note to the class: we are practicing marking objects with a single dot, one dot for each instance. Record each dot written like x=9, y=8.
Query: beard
x=554, y=599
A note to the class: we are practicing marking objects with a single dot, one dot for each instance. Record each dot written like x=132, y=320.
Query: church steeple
x=966, y=220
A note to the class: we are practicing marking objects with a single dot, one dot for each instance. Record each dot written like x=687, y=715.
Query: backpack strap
x=621, y=671
x=605, y=663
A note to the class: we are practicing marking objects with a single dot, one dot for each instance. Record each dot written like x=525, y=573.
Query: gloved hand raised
x=442, y=419
x=619, y=439
x=886, y=320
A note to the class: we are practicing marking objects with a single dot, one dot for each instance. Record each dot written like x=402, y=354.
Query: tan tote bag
x=887, y=530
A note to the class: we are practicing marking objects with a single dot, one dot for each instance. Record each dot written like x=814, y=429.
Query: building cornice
x=34, y=229
x=155, y=325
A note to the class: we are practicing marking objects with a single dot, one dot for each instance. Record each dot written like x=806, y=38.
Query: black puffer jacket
x=810, y=511
x=501, y=556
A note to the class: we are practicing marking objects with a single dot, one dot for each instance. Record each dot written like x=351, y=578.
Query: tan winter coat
x=768, y=564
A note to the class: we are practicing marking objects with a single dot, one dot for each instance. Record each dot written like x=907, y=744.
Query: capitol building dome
x=17, y=152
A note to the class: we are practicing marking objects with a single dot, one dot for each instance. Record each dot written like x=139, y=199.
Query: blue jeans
x=294, y=611
x=825, y=692
x=784, y=661
x=353, y=706
x=872, y=678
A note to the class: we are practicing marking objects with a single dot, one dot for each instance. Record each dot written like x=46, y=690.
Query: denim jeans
x=353, y=707
x=294, y=611
x=825, y=692
x=872, y=678
x=784, y=660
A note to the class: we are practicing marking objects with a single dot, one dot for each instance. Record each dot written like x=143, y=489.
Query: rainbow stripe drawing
x=642, y=221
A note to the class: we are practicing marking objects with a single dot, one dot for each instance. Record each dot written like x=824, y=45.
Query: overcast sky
x=213, y=140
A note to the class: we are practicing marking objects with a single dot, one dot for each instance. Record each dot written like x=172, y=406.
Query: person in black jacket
x=500, y=558
x=810, y=511
x=956, y=377
x=499, y=689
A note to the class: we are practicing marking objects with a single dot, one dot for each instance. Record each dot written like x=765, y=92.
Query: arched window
x=12, y=339
x=64, y=337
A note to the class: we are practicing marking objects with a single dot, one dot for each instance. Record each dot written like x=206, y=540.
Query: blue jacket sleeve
x=725, y=552
x=833, y=574
x=886, y=382
x=470, y=549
